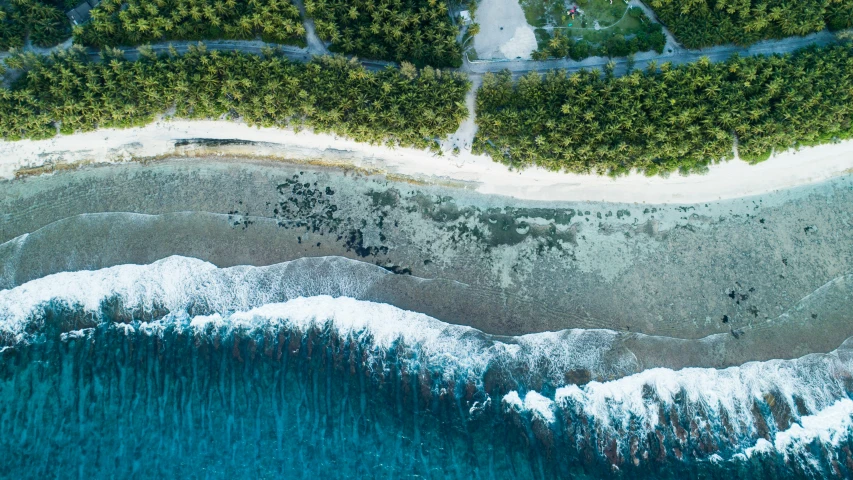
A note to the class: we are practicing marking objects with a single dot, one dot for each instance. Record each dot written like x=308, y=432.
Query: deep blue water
x=129, y=392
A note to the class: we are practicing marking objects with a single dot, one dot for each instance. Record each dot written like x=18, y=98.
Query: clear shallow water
x=180, y=370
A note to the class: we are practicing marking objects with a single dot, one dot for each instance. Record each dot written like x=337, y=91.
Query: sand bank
x=727, y=180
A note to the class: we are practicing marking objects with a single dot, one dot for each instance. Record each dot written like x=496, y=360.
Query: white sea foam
x=457, y=348
x=733, y=390
x=444, y=343
x=177, y=282
x=817, y=381
x=761, y=446
x=828, y=426
x=241, y=297
x=512, y=400
x=260, y=296
x=534, y=402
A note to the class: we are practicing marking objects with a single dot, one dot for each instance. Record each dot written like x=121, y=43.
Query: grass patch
x=554, y=13
x=606, y=13
x=633, y=32
x=627, y=25
x=540, y=13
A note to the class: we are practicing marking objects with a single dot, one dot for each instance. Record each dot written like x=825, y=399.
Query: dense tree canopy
x=44, y=21
x=134, y=22
x=331, y=94
x=418, y=31
x=702, y=23
x=670, y=118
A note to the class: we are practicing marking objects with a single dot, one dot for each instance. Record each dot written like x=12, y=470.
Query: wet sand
x=765, y=276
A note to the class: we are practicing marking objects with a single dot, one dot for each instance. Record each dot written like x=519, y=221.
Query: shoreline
x=513, y=267
x=479, y=173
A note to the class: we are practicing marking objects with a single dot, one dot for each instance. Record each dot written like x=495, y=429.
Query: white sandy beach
x=728, y=180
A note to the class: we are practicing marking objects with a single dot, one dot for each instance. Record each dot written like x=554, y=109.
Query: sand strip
x=727, y=180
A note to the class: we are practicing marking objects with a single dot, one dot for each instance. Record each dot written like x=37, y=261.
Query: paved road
x=477, y=68
x=295, y=54
x=521, y=67
x=715, y=54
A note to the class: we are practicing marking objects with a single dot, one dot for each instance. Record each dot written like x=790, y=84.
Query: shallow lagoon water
x=674, y=270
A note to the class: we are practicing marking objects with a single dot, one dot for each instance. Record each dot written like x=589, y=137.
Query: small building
x=465, y=15
x=81, y=13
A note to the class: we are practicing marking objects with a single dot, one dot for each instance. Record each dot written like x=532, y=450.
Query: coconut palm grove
x=658, y=118
x=668, y=118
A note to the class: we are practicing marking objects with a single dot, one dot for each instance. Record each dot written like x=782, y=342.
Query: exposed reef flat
x=768, y=274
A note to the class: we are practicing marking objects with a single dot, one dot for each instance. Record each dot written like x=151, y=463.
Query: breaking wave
x=181, y=369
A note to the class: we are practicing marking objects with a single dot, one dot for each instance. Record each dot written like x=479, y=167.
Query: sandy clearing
x=521, y=45
x=727, y=180
x=504, y=32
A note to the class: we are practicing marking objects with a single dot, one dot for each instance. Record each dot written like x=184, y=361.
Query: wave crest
x=565, y=398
